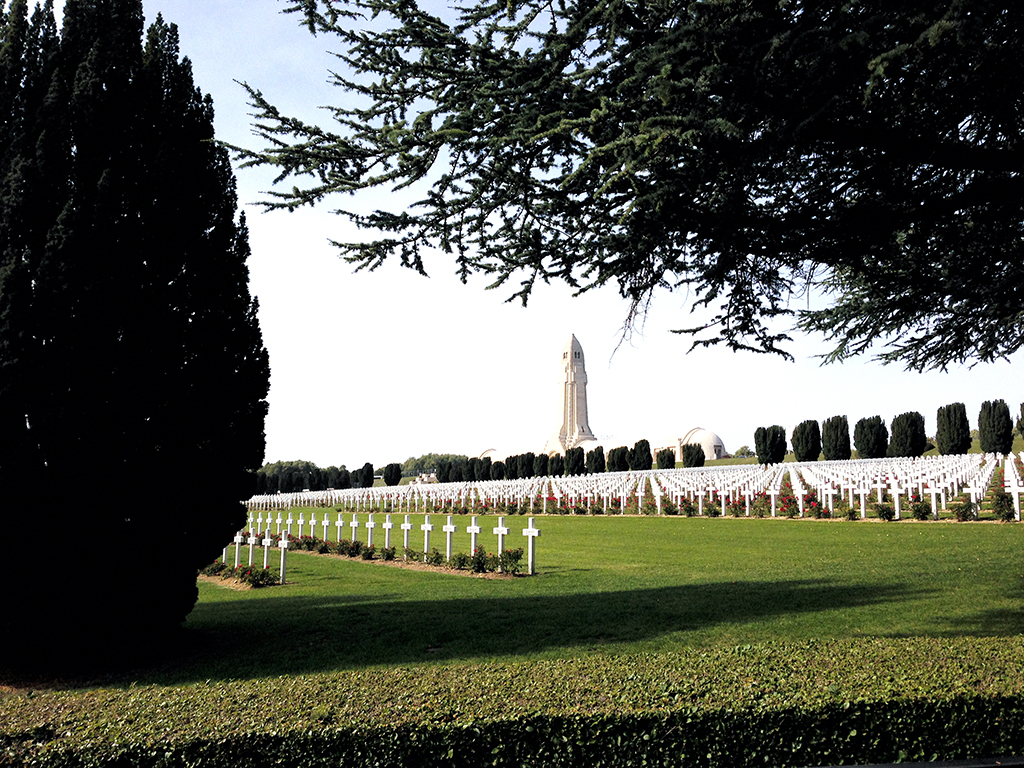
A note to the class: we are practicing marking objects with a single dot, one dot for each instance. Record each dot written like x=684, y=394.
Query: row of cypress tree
x=873, y=440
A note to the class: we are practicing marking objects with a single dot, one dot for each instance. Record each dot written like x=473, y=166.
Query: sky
x=389, y=365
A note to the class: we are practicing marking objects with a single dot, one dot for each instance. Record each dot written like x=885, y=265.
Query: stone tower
x=575, y=428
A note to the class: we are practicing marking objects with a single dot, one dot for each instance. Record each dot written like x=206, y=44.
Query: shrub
x=885, y=512
x=387, y=553
x=368, y=553
x=355, y=548
x=964, y=511
x=434, y=557
x=510, y=561
x=920, y=509
x=325, y=548
x=687, y=507
x=1002, y=506
x=460, y=561
x=761, y=506
x=217, y=567
x=736, y=508
x=668, y=507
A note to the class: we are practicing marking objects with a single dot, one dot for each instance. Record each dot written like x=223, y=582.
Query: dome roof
x=712, y=444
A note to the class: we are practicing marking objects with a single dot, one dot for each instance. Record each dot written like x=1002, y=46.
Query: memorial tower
x=575, y=428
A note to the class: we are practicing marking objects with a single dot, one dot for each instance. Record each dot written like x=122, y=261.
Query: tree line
x=873, y=440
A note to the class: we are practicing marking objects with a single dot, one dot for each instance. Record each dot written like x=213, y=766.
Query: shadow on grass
x=304, y=634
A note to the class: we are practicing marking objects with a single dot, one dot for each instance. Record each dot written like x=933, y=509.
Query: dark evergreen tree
x=666, y=458
x=908, y=437
x=575, y=461
x=953, y=432
x=128, y=338
x=484, y=468
x=526, y=465
x=807, y=441
x=995, y=430
x=460, y=471
x=618, y=459
x=771, y=444
x=835, y=439
x=473, y=469
x=512, y=468
x=498, y=470
x=871, y=438
x=639, y=456
x=556, y=465
x=443, y=472
x=392, y=474
x=743, y=151
x=540, y=465
x=344, y=479
x=693, y=455
x=366, y=476
x=595, y=461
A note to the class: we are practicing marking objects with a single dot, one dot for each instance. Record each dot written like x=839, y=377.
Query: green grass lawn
x=610, y=585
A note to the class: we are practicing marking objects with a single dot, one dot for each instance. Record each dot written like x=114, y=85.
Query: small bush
x=387, y=553
x=688, y=508
x=461, y=561
x=511, y=560
x=216, y=568
x=355, y=548
x=324, y=548
x=478, y=560
x=1002, y=506
x=921, y=510
x=885, y=512
x=668, y=506
x=965, y=511
x=434, y=557
x=368, y=553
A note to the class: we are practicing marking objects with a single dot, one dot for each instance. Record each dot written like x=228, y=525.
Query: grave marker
x=531, y=533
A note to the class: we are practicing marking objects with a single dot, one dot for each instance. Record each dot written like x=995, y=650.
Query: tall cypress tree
x=871, y=437
x=807, y=440
x=908, y=437
x=953, y=432
x=128, y=338
x=835, y=439
x=995, y=429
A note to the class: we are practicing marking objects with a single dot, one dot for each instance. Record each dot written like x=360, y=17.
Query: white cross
x=252, y=543
x=267, y=544
x=426, y=528
x=302, y=522
x=339, y=524
x=387, y=526
x=354, y=525
x=290, y=523
x=473, y=530
x=448, y=529
x=283, y=544
x=406, y=527
x=239, y=540
x=279, y=523
x=531, y=533
x=501, y=531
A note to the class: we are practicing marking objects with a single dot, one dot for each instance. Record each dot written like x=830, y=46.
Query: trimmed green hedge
x=771, y=704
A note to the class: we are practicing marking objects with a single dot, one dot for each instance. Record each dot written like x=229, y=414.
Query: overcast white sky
x=383, y=366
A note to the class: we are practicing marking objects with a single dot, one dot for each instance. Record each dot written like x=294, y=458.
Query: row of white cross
x=258, y=525
x=941, y=477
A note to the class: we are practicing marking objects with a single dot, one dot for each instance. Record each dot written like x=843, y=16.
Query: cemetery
x=799, y=628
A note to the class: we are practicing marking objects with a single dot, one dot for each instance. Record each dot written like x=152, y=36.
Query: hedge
x=813, y=703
